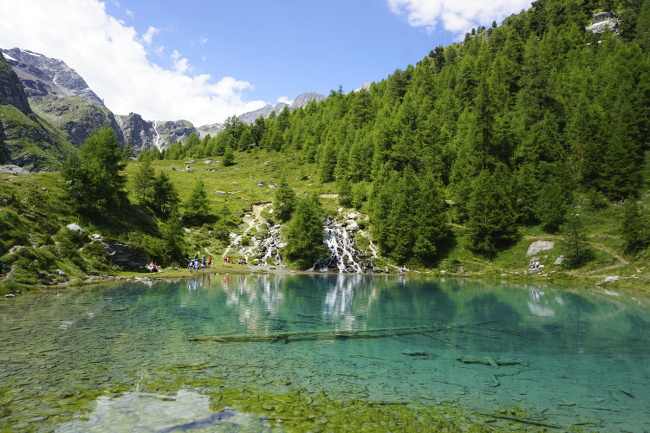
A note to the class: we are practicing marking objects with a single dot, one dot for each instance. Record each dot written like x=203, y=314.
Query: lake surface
x=331, y=352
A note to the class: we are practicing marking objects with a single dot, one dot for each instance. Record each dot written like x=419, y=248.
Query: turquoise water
x=138, y=357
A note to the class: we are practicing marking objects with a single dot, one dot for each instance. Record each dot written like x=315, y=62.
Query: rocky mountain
x=11, y=90
x=56, y=93
x=76, y=115
x=301, y=101
x=42, y=76
x=145, y=134
x=26, y=139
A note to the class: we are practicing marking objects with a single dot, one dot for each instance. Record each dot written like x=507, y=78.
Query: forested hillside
x=507, y=126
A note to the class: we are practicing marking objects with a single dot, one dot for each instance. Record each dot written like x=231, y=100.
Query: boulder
x=75, y=228
x=603, y=21
x=122, y=255
x=559, y=260
x=13, y=169
x=96, y=237
x=538, y=246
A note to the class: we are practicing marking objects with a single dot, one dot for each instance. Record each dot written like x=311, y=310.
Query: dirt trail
x=251, y=221
x=613, y=253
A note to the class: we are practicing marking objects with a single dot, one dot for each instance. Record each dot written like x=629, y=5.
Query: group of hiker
x=228, y=260
x=196, y=263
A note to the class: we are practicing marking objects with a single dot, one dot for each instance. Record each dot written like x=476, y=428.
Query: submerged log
x=521, y=420
x=286, y=337
x=487, y=360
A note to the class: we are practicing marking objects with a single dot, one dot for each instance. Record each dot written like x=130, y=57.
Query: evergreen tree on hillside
x=304, y=234
x=491, y=219
x=143, y=181
x=228, y=156
x=285, y=200
x=197, y=205
x=165, y=198
x=94, y=173
x=574, y=240
x=635, y=227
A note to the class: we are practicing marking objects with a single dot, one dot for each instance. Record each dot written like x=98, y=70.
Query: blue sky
x=205, y=60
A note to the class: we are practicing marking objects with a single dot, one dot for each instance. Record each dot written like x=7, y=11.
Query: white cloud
x=130, y=13
x=203, y=40
x=147, y=38
x=456, y=16
x=285, y=100
x=113, y=60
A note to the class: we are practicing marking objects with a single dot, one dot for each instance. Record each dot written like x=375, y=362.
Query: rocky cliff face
x=26, y=140
x=42, y=76
x=11, y=89
x=145, y=134
x=75, y=115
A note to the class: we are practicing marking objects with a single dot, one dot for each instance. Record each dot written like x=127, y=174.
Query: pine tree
x=197, y=205
x=304, y=234
x=345, y=192
x=635, y=227
x=94, y=173
x=574, y=240
x=285, y=200
x=228, y=156
x=165, y=196
x=143, y=181
x=491, y=217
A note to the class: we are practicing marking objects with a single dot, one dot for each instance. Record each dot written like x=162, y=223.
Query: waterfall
x=344, y=255
x=155, y=129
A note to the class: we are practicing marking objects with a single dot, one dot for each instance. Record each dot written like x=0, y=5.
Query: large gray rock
x=538, y=246
x=75, y=228
x=12, y=169
x=124, y=256
x=603, y=21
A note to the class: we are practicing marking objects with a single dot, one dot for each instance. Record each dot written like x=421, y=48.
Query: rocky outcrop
x=301, y=101
x=42, y=76
x=12, y=169
x=11, y=89
x=603, y=21
x=26, y=139
x=145, y=134
x=211, y=130
x=538, y=246
x=124, y=256
x=75, y=115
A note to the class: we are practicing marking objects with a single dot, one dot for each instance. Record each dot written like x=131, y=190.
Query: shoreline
x=628, y=284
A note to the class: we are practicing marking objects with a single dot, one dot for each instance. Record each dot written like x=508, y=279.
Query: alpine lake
x=282, y=353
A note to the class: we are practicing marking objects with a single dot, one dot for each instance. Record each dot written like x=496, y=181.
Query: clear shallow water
x=130, y=357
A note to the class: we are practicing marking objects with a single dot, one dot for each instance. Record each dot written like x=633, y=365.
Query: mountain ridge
x=59, y=94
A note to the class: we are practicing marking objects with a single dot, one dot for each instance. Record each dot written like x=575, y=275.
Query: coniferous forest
x=498, y=131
